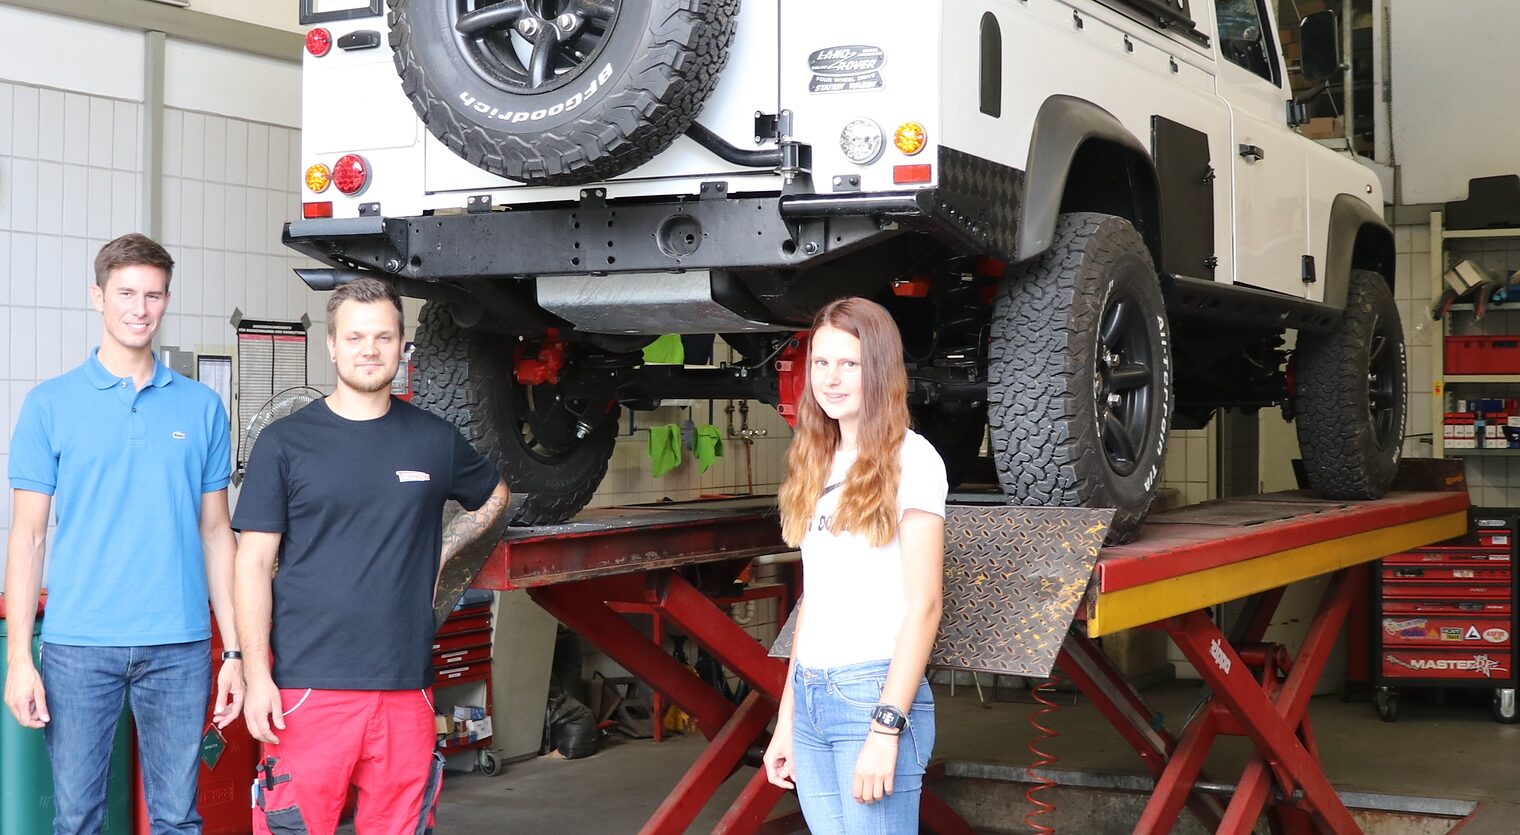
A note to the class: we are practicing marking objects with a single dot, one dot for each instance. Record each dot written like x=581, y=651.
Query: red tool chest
x=462, y=656
x=1445, y=616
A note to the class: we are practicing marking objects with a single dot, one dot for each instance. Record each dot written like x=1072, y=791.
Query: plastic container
x=1482, y=354
x=26, y=776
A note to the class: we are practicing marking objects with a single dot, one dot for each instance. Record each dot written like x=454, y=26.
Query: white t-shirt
x=855, y=595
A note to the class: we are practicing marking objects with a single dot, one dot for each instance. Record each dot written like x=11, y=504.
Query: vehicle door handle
x=1253, y=153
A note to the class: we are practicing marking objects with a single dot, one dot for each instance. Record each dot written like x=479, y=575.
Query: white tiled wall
x=1190, y=467
x=228, y=187
x=70, y=177
x=760, y=469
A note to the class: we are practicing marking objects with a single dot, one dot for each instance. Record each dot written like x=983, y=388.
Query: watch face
x=889, y=716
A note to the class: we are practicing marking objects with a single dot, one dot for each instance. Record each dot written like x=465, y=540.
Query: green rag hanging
x=707, y=445
x=667, y=350
x=664, y=448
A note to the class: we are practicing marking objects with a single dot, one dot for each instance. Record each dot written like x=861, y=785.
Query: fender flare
x=1061, y=126
x=1349, y=218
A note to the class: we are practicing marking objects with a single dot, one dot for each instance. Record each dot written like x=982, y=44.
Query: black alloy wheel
x=1385, y=373
x=531, y=46
x=1123, y=394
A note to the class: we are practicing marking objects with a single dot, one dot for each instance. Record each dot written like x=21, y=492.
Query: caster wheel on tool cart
x=1387, y=703
x=1503, y=706
x=490, y=764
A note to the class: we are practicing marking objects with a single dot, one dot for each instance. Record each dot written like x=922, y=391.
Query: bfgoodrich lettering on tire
x=528, y=432
x=1079, y=374
x=559, y=92
x=1351, y=387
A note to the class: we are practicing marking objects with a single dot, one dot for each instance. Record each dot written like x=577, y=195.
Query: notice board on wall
x=271, y=359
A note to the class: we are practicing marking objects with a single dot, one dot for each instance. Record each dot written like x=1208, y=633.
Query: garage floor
x=1454, y=751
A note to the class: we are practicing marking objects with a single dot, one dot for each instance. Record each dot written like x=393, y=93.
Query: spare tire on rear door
x=559, y=92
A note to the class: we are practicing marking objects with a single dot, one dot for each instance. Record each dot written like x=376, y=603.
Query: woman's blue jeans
x=170, y=687
x=831, y=720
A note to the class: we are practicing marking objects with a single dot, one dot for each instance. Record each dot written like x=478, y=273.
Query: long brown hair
x=868, y=499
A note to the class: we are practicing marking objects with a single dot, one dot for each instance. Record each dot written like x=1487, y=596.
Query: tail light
x=319, y=42
x=910, y=138
x=318, y=177
x=350, y=174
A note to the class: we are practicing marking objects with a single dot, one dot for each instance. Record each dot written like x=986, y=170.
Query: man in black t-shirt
x=346, y=495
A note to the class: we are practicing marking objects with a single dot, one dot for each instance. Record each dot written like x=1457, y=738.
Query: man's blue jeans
x=831, y=718
x=170, y=687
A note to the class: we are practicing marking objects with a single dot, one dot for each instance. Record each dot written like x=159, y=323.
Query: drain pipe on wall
x=152, y=208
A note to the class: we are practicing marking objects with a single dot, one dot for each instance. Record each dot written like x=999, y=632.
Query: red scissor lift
x=1186, y=563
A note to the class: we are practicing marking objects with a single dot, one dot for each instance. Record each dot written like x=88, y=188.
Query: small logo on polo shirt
x=404, y=476
x=179, y=436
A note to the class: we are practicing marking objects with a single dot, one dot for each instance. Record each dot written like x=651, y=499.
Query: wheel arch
x=1082, y=159
x=1359, y=239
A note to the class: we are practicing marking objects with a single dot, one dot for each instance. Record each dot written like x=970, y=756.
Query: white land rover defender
x=1092, y=219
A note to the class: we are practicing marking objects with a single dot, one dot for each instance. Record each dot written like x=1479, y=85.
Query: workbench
x=675, y=558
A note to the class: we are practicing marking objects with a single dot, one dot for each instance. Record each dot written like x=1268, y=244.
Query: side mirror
x=1320, y=46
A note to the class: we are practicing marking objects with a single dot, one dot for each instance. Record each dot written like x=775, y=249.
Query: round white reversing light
x=862, y=141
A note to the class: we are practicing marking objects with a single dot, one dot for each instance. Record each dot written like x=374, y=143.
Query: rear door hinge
x=796, y=158
x=1309, y=275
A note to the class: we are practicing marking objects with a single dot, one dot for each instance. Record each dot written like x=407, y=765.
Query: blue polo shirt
x=126, y=470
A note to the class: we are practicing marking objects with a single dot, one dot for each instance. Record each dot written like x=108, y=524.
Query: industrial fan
x=278, y=406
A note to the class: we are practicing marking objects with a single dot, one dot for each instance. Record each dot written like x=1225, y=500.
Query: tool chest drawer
x=1446, y=607
x=1445, y=573
x=1447, y=591
x=1491, y=632
x=1453, y=556
x=471, y=655
x=1488, y=668
x=477, y=619
x=445, y=644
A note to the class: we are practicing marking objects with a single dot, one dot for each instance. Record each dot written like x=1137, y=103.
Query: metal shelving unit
x=1440, y=380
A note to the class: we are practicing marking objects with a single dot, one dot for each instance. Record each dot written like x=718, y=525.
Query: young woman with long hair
x=864, y=498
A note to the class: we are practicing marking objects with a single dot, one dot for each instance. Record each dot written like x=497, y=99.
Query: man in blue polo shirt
x=134, y=459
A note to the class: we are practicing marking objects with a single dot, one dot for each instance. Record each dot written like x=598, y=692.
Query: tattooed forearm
x=469, y=526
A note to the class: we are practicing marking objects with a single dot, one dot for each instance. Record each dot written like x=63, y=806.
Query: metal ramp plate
x=1013, y=579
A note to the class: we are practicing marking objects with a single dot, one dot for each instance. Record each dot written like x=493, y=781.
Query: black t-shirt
x=359, y=505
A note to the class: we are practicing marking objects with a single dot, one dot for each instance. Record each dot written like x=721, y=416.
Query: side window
x=1243, y=37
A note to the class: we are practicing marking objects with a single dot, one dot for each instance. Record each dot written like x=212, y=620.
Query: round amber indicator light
x=318, y=178
x=910, y=138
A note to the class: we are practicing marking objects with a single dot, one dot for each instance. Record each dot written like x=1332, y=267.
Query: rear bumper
x=974, y=208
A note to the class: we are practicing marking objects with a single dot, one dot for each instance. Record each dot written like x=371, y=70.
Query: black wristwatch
x=889, y=717
x=231, y=655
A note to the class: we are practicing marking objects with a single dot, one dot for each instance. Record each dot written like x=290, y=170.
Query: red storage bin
x=1482, y=354
x=224, y=790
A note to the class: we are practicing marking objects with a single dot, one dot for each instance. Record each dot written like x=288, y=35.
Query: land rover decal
x=846, y=69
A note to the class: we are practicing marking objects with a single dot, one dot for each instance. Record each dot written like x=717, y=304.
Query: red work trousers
x=379, y=741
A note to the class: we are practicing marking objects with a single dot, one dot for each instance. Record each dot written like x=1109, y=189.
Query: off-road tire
x=1344, y=453
x=466, y=378
x=662, y=59
x=1047, y=441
